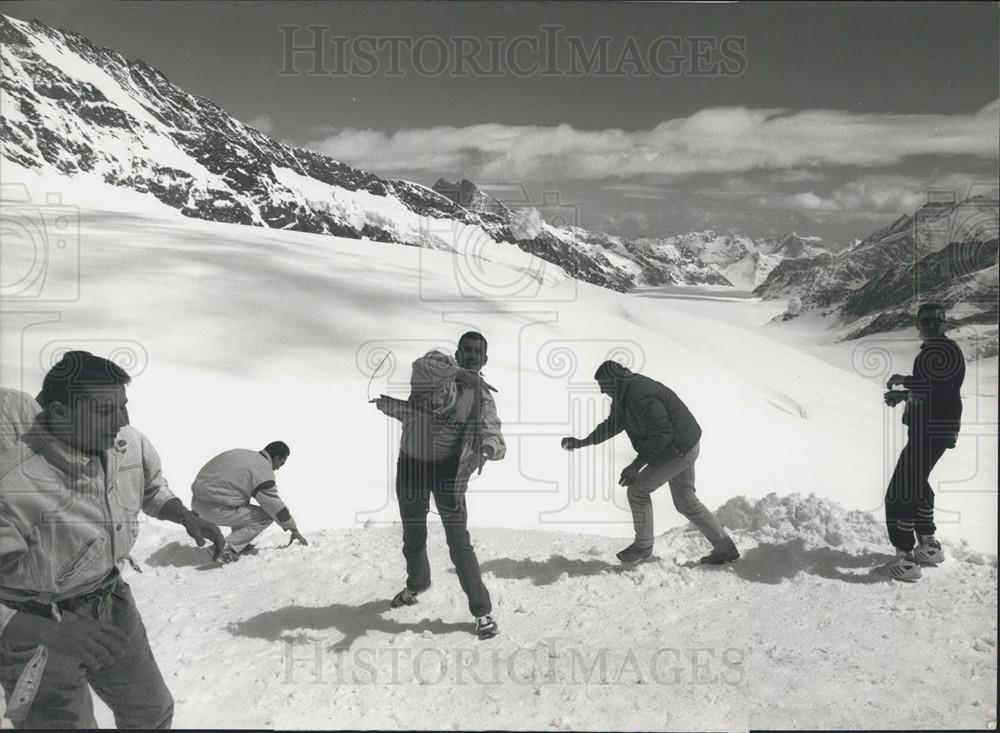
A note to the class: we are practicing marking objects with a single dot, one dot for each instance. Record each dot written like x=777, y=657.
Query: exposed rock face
x=945, y=252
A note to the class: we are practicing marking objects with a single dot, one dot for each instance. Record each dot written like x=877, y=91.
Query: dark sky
x=882, y=59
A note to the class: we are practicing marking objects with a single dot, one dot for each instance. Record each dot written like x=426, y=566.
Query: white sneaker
x=486, y=627
x=929, y=552
x=901, y=567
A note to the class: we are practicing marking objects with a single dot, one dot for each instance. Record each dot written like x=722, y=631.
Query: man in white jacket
x=71, y=490
x=450, y=428
x=223, y=490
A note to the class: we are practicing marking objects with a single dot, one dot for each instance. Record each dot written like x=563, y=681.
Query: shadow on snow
x=353, y=622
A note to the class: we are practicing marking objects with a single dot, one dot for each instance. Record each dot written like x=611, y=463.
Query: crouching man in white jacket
x=225, y=487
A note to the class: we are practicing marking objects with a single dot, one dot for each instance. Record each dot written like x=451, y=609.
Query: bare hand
x=894, y=380
x=629, y=475
x=199, y=529
x=894, y=398
x=94, y=643
x=297, y=536
x=468, y=378
x=391, y=406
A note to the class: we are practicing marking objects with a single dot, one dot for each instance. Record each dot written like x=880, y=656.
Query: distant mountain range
x=944, y=252
x=697, y=258
x=68, y=106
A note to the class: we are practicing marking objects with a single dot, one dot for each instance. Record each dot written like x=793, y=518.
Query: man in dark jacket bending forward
x=666, y=436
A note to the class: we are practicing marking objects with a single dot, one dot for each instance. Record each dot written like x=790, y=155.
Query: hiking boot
x=406, y=597
x=902, y=567
x=928, y=552
x=721, y=556
x=228, y=555
x=633, y=554
x=486, y=627
x=250, y=549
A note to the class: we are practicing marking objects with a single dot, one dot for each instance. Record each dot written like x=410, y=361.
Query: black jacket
x=935, y=403
x=657, y=422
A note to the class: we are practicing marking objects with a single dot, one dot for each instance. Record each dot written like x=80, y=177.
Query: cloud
x=623, y=223
x=714, y=140
x=262, y=122
x=881, y=194
x=639, y=191
x=795, y=176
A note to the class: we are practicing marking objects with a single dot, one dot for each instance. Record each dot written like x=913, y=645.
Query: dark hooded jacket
x=658, y=423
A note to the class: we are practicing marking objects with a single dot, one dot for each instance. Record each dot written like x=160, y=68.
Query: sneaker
x=633, y=554
x=721, y=557
x=406, y=597
x=901, y=567
x=486, y=627
x=929, y=552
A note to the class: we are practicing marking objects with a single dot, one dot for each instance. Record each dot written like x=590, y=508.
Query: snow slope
x=795, y=635
x=237, y=336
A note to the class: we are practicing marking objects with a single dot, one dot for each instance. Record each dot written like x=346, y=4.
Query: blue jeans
x=132, y=686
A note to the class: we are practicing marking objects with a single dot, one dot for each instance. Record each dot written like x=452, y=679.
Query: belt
x=93, y=599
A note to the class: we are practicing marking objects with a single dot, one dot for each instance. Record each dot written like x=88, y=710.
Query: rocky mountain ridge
x=75, y=108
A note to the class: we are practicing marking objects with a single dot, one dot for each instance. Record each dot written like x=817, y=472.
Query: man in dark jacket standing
x=666, y=437
x=933, y=416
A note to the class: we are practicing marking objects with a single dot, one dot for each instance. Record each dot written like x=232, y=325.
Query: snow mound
x=805, y=524
x=814, y=520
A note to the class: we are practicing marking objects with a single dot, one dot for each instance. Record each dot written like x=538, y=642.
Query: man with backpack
x=666, y=437
x=450, y=428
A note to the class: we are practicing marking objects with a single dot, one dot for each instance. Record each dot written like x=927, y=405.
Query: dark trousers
x=909, y=500
x=416, y=481
x=132, y=686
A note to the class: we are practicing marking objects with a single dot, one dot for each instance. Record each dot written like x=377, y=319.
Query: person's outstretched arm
x=606, y=430
x=393, y=407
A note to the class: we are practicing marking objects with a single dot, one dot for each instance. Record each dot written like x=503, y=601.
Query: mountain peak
x=466, y=194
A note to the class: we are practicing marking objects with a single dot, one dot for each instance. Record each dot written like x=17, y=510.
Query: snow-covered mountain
x=944, y=252
x=696, y=258
x=745, y=262
x=72, y=107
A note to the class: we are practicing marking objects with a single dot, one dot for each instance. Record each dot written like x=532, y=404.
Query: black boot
x=721, y=556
